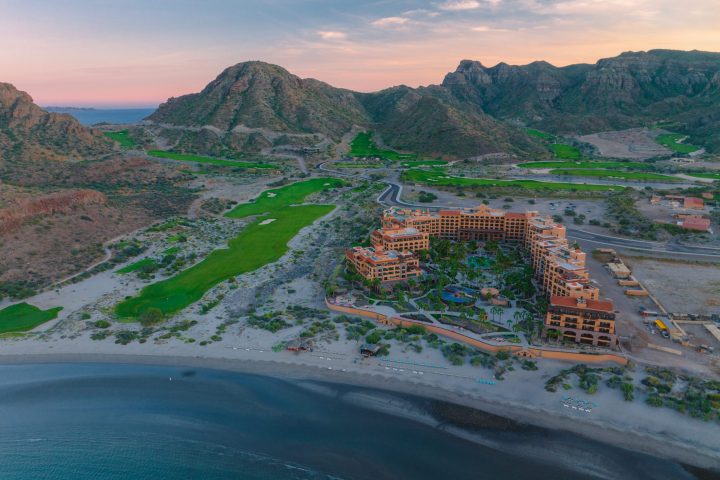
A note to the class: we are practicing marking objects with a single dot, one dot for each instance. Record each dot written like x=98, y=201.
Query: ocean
x=96, y=421
x=92, y=116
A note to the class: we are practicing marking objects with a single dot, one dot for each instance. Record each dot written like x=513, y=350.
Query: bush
x=628, y=390
x=654, y=400
x=374, y=337
x=427, y=197
x=102, y=324
x=502, y=355
x=151, y=316
x=529, y=365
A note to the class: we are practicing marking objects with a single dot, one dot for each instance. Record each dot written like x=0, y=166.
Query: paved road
x=391, y=197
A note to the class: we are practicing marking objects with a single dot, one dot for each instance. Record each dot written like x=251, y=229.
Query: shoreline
x=293, y=372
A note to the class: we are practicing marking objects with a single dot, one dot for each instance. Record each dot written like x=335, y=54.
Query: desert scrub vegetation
x=697, y=397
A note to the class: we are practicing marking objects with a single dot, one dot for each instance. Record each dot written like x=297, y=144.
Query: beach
x=691, y=442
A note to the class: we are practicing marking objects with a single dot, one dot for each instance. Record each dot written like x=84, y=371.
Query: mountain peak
x=31, y=133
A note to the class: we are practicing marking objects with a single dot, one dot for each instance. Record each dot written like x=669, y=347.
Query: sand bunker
x=265, y=222
x=271, y=194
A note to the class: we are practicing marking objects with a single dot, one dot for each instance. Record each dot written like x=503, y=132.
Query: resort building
x=576, y=311
x=478, y=223
x=400, y=239
x=387, y=266
x=582, y=321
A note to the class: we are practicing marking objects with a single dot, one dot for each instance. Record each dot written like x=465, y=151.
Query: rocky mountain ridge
x=29, y=133
x=476, y=109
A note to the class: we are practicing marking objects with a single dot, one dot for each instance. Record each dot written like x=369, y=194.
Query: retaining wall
x=531, y=352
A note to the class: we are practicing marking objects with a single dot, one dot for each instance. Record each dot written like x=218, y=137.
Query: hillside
x=253, y=99
x=29, y=133
x=679, y=89
x=64, y=190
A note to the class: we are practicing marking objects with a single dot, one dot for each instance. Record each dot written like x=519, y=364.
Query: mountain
x=29, y=133
x=675, y=88
x=475, y=110
x=254, y=96
x=259, y=95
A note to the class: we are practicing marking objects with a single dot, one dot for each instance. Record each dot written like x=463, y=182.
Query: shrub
x=373, y=337
x=654, y=400
x=151, y=316
x=628, y=390
x=102, y=324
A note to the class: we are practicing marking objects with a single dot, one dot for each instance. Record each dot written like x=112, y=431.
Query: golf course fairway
x=260, y=243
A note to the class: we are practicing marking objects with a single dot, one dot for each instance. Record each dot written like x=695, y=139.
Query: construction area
x=683, y=321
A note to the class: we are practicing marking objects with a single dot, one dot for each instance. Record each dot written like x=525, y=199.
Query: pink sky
x=90, y=54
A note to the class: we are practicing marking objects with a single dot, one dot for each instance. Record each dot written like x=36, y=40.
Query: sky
x=109, y=53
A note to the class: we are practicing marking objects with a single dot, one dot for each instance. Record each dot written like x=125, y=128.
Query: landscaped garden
x=675, y=142
x=588, y=164
x=182, y=157
x=263, y=241
x=566, y=152
x=122, y=137
x=602, y=173
x=23, y=317
x=364, y=146
x=440, y=177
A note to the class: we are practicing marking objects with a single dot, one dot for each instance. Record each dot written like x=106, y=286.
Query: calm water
x=132, y=422
x=101, y=115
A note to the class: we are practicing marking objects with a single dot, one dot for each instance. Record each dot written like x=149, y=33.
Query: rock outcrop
x=12, y=217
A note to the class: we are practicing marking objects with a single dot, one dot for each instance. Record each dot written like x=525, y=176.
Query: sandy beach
x=668, y=435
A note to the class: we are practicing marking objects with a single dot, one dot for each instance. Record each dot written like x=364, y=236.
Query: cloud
x=485, y=28
x=332, y=35
x=390, y=22
x=457, y=5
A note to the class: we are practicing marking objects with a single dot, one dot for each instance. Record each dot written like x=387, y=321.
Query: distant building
x=695, y=223
x=582, y=321
x=679, y=201
x=693, y=203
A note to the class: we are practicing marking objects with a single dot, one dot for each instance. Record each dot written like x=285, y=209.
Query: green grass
x=423, y=163
x=213, y=161
x=364, y=146
x=671, y=141
x=539, y=134
x=22, y=317
x=356, y=165
x=600, y=173
x=255, y=246
x=588, y=164
x=566, y=152
x=714, y=176
x=121, y=137
x=145, y=262
x=441, y=178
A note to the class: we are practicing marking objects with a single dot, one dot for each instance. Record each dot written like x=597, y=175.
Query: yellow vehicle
x=662, y=327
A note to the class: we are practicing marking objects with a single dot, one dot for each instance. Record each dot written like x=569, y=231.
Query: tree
x=518, y=316
x=495, y=310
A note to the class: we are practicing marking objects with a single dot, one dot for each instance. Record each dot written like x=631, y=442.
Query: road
x=392, y=197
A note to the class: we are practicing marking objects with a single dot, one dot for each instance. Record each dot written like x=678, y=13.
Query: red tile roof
x=696, y=223
x=449, y=212
x=692, y=202
x=515, y=215
x=596, y=305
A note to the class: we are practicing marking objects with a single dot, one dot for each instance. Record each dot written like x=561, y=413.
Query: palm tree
x=496, y=311
x=500, y=311
x=518, y=316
